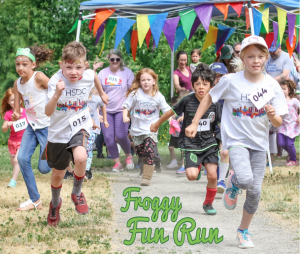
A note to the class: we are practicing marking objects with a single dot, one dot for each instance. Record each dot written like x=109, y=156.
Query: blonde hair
x=237, y=64
x=261, y=48
x=73, y=51
x=119, y=54
x=136, y=82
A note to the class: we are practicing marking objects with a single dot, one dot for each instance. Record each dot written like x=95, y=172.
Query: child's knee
x=80, y=160
x=245, y=183
x=191, y=175
x=224, y=154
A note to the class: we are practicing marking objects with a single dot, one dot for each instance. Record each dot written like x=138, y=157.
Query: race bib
x=27, y=103
x=204, y=125
x=78, y=120
x=113, y=79
x=261, y=96
x=20, y=125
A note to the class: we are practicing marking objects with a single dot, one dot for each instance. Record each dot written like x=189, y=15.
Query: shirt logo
x=212, y=116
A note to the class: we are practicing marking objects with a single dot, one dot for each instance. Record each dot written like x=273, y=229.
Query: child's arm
x=126, y=119
x=191, y=130
x=41, y=80
x=98, y=86
x=6, y=125
x=154, y=127
x=103, y=110
x=16, y=115
x=51, y=105
x=275, y=119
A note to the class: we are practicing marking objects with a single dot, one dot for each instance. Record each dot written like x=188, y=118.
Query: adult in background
x=116, y=80
x=182, y=75
x=226, y=58
x=237, y=49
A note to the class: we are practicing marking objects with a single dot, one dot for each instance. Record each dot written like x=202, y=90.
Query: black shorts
x=59, y=155
x=194, y=159
x=174, y=141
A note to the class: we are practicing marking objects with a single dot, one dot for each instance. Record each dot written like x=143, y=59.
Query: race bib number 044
x=78, y=120
x=204, y=125
x=20, y=125
x=261, y=97
x=113, y=79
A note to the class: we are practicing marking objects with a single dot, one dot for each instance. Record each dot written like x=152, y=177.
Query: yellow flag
x=281, y=23
x=211, y=37
x=143, y=26
x=265, y=18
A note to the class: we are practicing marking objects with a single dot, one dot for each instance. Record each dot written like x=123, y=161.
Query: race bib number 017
x=204, y=125
x=20, y=125
x=261, y=97
x=78, y=120
x=113, y=79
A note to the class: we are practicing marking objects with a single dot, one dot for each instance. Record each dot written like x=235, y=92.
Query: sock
x=55, y=195
x=88, y=163
x=210, y=196
x=77, y=184
x=223, y=167
x=241, y=230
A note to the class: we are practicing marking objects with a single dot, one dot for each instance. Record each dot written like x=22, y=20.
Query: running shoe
x=279, y=155
x=108, y=156
x=209, y=209
x=12, y=184
x=244, y=240
x=129, y=163
x=100, y=156
x=158, y=168
x=88, y=175
x=81, y=206
x=181, y=171
x=53, y=215
x=221, y=186
x=141, y=173
x=230, y=195
x=173, y=164
x=68, y=175
x=117, y=168
x=292, y=163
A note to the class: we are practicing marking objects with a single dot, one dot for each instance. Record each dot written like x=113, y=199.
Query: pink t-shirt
x=115, y=85
x=15, y=136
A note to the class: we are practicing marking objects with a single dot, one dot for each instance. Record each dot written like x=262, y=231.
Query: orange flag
x=101, y=16
x=223, y=8
x=247, y=18
x=134, y=43
x=288, y=46
x=237, y=7
x=247, y=35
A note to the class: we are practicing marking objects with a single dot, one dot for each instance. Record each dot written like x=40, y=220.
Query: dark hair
x=205, y=73
x=183, y=93
x=41, y=54
x=291, y=87
x=235, y=44
x=174, y=99
x=179, y=53
x=197, y=51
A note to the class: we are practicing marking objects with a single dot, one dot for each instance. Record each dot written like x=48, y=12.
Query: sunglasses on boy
x=115, y=59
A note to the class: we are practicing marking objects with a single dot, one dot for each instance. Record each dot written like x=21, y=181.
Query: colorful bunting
x=148, y=37
x=257, y=18
x=265, y=17
x=269, y=39
x=281, y=23
x=123, y=26
x=151, y=19
x=143, y=26
x=267, y=6
x=101, y=16
x=127, y=39
x=197, y=22
x=157, y=26
x=223, y=8
x=170, y=30
x=211, y=37
x=91, y=24
x=297, y=29
x=291, y=22
x=224, y=32
x=110, y=28
x=237, y=7
x=76, y=24
x=204, y=13
x=298, y=48
x=247, y=18
x=247, y=35
x=187, y=19
x=290, y=48
x=134, y=42
x=99, y=32
x=275, y=30
x=180, y=35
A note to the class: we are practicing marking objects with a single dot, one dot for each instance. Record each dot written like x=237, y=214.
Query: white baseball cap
x=253, y=39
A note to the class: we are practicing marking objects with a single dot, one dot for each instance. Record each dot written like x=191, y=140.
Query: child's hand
x=180, y=119
x=101, y=119
x=191, y=131
x=95, y=126
x=106, y=124
x=97, y=65
x=9, y=123
x=153, y=127
x=15, y=116
x=126, y=119
x=270, y=111
x=298, y=120
x=60, y=86
x=104, y=98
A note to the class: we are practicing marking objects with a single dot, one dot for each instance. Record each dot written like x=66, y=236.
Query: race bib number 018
x=113, y=79
x=20, y=125
x=261, y=97
x=78, y=120
x=204, y=125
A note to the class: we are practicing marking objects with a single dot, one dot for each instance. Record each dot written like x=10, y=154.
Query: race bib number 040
x=20, y=125
x=261, y=97
x=204, y=125
x=78, y=120
x=113, y=79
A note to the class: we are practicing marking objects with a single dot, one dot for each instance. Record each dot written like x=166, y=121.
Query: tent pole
x=79, y=26
x=251, y=18
x=172, y=71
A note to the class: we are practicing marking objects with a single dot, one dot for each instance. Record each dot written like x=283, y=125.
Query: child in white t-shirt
x=244, y=128
x=145, y=101
x=70, y=125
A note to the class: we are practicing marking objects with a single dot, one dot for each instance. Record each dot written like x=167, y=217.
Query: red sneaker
x=53, y=216
x=81, y=206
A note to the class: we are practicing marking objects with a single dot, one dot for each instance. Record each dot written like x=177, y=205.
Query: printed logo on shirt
x=212, y=117
x=248, y=112
x=71, y=105
x=109, y=84
x=193, y=157
x=75, y=92
x=145, y=111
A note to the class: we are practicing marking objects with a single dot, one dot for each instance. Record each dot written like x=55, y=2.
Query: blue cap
x=219, y=68
x=272, y=48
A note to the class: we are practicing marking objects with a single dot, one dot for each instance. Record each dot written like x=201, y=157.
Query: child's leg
x=15, y=164
x=89, y=150
x=148, y=168
x=224, y=163
x=57, y=177
x=290, y=145
x=172, y=152
x=157, y=159
x=211, y=188
x=80, y=158
x=42, y=135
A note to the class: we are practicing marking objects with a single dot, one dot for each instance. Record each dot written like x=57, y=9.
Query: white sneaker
x=129, y=163
x=173, y=164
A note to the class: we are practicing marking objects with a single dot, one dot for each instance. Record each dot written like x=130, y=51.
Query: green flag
x=187, y=19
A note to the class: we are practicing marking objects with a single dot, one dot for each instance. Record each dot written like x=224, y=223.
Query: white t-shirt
x=241, y=123
x=94, y=103
x=275, y=67
x=145, y=111
x=71, y=104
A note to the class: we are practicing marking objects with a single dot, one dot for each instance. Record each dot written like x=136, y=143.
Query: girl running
x=290, y=127
x=145, y=101
x=32, y=85
x=16, y=131
x=195, y=56
x=244, y=128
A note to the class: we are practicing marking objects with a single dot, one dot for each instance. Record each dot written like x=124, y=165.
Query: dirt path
x=268, y=236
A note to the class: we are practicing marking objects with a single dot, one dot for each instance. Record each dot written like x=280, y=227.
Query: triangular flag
x=204, y=13
x=157, y=26
x=247, y=18
x=247, y=35
x=148, y=37
x=110, y=28
x=76, y=24
x=143, y=26
x=134, y=42
x=180, y=35
x=151, y=19
x=281, y=23
x=298, y=48
x=275, y=30
x=224, y=32
x=99, y=32
x=267, y=6
x=261, y=7
x=91, y=24
x=197, y=22
x=123, y=26
x=223, y=8
x=290, y=48
x=291, y=21
x=170, y=30
x=187, y=20
x=265, y=19
x=237, y=7
x=257, y=19
x=127, y=39
x=297, y=29
x=211, y=37
x=269, y=39
x=101, y=16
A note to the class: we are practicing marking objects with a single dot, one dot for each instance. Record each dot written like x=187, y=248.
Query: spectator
x=226, y=57
x=182, y=75
x=237, y=49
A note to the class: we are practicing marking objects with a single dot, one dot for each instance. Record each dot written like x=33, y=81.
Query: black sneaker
x=158, y=168
x=89, y=175
x=68, y=175
x=141, y=173
x=100, y=156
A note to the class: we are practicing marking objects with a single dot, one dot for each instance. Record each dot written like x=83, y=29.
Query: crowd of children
x=64, y=114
